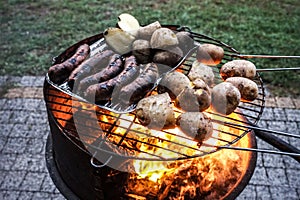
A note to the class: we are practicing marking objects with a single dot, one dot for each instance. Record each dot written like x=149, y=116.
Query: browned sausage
x=136, y=90
x=114, y=67
x=89, y=66
x=103, y=91
x=60, y=72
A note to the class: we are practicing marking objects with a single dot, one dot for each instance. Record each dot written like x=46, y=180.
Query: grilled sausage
x=89, y=66
x=243, y=68
x=196, y=125
x=156, y=112
x=136, y=90
x=59, y=73
x=247, y=87
x=225, y=98
x=114, y=67
x=103, y=91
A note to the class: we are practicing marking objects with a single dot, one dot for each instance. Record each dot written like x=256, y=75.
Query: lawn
x=32, y=32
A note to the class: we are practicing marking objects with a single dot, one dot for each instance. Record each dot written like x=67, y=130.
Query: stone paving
x=24, y=129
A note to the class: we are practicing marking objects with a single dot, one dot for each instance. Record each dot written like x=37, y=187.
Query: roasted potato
x=146, y=32
x=173, y=83
x=170, y=57
x=193, y=100
x=185, y=40
x=247, y=87
x=201, y=71
x=142, y=51
x=200, y=84
x=196, y=125
x=243, y=68
x=210, y=54
x=225, y=98
x=163, y=38
x=156, y=112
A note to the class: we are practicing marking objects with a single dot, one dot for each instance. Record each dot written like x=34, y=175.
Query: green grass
x=32, y=32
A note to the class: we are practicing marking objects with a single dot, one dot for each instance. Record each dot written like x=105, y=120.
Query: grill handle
x=278, y=143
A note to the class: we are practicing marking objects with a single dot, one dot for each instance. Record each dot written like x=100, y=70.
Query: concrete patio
x=24, y=129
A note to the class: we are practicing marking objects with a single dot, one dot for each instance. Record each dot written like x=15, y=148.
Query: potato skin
x=200, y=84
x=247, y=87
x=210, y=54
x=242, y=68
x=201, y=71
x=225, y=98
x=193, y=100
x=142, y=51
x=185, y=40
x=169, y=57
x=196, y=125
x=146, y=32
x=163, y=38
x=173, y=83
x=156, y=112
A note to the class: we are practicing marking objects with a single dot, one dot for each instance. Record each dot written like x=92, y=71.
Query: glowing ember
x=203, y=177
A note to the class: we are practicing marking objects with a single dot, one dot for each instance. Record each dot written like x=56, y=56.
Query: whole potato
x=210, y=54
x=243, y=68
x=185, y=40
x=247, y=87
x=196, y=125
x=225, y=98
x=146, y=32
x=173, y=83
x=142, y=51
x=201, y=71
x=162, y=38
x=200, y=84
x=170, y=57
x=193, y=100
x=156, y=112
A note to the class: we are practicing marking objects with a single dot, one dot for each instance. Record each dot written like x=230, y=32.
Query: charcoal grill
x=86, y=130
x=71, y=103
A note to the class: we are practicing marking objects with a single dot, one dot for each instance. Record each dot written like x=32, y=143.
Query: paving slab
x=24, y=129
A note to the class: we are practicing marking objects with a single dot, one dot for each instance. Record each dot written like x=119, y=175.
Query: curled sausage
x=103, y=91
x=59, y=73
x=89, y=66
x=136, y=90
x=114, y=67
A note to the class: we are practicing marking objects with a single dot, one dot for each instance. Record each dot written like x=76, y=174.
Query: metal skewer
x=278, y=69
x=261, y=56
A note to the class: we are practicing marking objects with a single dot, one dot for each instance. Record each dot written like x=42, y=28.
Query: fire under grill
x=103, y=154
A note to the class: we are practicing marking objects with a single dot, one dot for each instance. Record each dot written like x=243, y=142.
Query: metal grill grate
x=94, y=128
